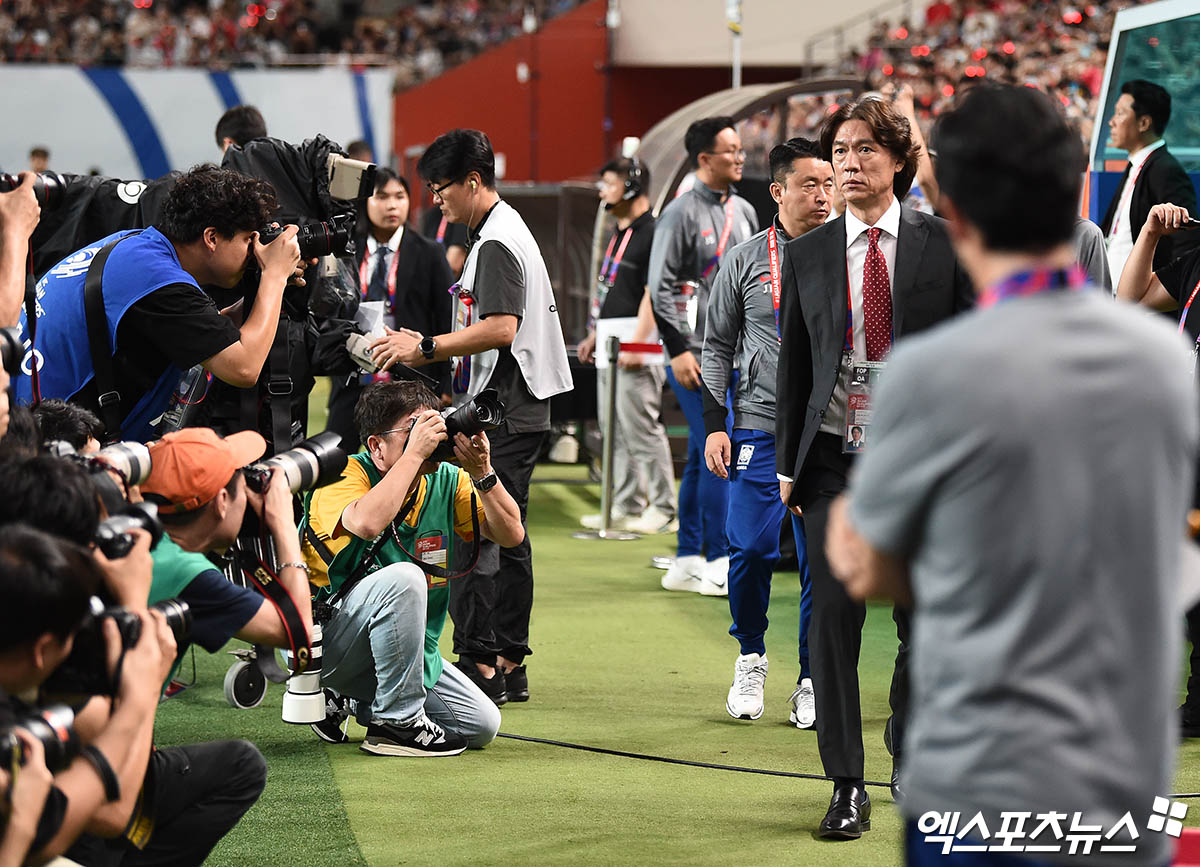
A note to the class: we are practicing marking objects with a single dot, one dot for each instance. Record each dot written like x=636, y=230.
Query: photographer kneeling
x=393, y=504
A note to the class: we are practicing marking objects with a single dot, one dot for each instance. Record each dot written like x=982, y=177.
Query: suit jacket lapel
x=834, y=285
x=910, y=246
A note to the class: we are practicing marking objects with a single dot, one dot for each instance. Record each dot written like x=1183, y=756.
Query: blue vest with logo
x=136, y=267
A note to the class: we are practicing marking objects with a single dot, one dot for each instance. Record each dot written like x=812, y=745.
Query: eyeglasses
x=436, y=192
x=407, y=429
x=737, y=154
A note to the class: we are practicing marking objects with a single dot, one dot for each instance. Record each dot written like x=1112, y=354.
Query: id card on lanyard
x=463, y=316
x=776, y=278
x=364, y=282
x=864, y=376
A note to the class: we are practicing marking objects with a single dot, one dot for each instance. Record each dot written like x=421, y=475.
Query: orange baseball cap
x=190, y=466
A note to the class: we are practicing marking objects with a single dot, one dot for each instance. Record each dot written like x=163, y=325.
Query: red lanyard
x=608, y=269
x=725, y=230
x=441, y=232
x=1127, y=189
x=391, y=277
x=773, y=261
x=1186, y=307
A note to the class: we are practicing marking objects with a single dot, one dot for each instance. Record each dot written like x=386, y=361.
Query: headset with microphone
x=633, y=180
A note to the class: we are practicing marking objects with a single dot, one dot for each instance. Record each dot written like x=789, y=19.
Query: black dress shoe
x=493, y=687
x=849, y=813
x=896, y=790
x=517, y=684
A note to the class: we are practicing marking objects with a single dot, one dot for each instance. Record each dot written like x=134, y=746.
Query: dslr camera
x=314, y=463
x=54, y=726
x=85, y=670
x=484, y=412
x=47, y=187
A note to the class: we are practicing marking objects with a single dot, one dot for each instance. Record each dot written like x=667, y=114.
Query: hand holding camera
x=280, y=257
x=474, y=454
x=144, y=666
x=273, y=505
x=27, y=791
x=128, y=577
x=20, y=209
x=428, y=431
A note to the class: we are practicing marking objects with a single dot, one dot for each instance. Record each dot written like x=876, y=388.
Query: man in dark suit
x=850, y=288
x=409, y=274
x=1151, y=176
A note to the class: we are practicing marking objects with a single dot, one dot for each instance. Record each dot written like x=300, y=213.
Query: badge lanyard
x=462, y=366
x=725, y=230
x=1183, y=317
x=1026, y=283
x=441, y=232
x=1129, y=184
x=773, y=260
x=391, y=278
x=608, y=272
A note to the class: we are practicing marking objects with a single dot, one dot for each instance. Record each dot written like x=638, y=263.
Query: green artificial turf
x=620, y=664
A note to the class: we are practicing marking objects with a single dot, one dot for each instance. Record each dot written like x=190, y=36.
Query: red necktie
x=877, y=300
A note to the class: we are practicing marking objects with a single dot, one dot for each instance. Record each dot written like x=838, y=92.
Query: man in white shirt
x=1152, y=175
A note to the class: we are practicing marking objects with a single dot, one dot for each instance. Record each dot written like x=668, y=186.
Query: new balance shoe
x=421, y=738
x=516, y=684
x=332, y=729
x=493, y=687
x=745, y=699
x=684, y=574
x=803, y=702
x=714, y=577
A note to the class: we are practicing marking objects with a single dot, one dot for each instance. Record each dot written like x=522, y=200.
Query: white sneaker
x=652, y=521
x=745, y=699
x=684, y=574
x=804, y=706
x=594, y=522
x=714, y=577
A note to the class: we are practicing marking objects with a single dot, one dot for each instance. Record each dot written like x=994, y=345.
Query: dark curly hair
x=210, y=196
x=890, y=129
x=382, y=403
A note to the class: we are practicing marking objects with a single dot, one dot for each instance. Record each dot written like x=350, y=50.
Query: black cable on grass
x=669, y=761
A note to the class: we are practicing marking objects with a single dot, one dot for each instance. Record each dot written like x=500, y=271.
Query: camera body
x=114, y=535
x=334, y=236
x=484, y=412
x=54, y=726
x=84, y=672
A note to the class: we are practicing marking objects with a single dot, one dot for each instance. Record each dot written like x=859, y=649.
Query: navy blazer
x=929, y=286
x=1162, y=179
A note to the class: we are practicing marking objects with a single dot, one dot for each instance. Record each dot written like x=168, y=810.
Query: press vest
x=143, y=262
x=435, y=518
x=538, y=346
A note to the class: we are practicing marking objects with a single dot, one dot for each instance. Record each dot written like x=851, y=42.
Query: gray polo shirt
x=1033, y=463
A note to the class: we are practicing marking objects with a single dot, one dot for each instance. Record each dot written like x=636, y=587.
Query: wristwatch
x=428, y=347
x=486, y=483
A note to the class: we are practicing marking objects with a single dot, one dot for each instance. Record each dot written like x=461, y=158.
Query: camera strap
x=98, y=344
x=280, y=387
x=266, y=579
x=439, y=571
x=31, y=327
x=368, y=559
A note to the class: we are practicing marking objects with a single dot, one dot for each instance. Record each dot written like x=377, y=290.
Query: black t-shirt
x=55, y=808
x=500, y=288
x=1180, y=279
x=177, y=324
x=454, y=236
x=633, y=270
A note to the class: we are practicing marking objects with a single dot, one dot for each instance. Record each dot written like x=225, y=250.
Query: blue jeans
x=755, y=517
x=703, y=498
x=374, y=652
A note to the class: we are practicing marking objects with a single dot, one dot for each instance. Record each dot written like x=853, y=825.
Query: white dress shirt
x=1120, y=239
x=856, y=258
x=393, y=244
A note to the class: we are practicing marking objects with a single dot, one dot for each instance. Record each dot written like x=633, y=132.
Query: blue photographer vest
x=143, y=263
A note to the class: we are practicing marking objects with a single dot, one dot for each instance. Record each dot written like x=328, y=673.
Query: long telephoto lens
x=47, y=188
x=54, y=726
x=312, y=464
x=130, y=459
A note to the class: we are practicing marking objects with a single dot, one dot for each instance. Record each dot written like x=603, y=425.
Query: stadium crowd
x=422, y=38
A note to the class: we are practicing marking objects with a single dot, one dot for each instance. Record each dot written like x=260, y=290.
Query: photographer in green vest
x=395, y=507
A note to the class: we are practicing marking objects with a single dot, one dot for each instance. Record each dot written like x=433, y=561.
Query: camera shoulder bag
x=98, y=345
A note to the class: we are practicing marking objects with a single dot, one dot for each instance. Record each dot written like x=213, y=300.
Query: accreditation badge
x=864, y=377
x=432, y=550
x=687, y=304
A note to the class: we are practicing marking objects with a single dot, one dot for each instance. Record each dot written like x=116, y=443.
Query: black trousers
x=835, y=630
x=342, y=400
x=196, y=794
x=491, y=606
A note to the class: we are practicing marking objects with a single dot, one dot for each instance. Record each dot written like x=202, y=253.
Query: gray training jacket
x=686, y=237
x=741, y=326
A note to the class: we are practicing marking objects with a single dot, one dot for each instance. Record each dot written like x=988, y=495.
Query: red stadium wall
x=549, y=127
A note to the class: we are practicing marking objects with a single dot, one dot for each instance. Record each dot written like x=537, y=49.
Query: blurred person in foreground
x=1076, y=421
x=743, y=327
